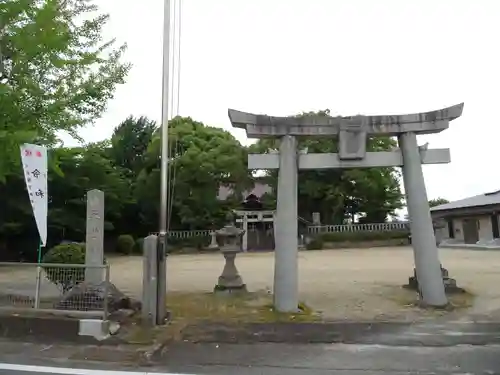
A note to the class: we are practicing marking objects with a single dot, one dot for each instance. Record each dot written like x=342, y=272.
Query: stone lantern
x=230, y=240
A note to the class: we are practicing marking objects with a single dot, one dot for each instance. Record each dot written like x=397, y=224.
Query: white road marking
x=75, y=371
x=452, y=333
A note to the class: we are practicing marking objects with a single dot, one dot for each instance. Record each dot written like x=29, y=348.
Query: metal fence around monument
x=57, y=289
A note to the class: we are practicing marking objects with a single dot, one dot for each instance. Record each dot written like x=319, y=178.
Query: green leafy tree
x=56, y=72
x=437, y=202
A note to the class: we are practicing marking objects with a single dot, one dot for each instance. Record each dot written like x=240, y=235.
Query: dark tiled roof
x=258, y=190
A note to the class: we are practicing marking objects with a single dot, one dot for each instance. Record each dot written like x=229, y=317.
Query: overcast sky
x=281, y=57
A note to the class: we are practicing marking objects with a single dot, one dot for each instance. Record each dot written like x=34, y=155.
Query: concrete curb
x=400, y=333
x=49, y=329
x=118, y=356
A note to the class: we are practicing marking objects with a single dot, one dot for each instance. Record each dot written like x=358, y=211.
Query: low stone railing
x=375, y=227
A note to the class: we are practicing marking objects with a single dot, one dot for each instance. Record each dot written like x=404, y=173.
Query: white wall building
x=472, y=221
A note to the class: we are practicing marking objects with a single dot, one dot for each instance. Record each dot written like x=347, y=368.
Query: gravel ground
x=354, y=284
x=357, y=284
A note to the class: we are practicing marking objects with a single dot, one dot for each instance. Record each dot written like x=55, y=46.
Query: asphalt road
x=458, y=349
x=281, y=359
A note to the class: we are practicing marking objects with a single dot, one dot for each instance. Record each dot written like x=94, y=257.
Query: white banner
x=34, y=159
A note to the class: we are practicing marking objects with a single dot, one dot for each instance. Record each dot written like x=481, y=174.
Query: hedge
x=363, y=236
x=195, y=242
x=138, y=247
x=317, y=242
x=178, y=245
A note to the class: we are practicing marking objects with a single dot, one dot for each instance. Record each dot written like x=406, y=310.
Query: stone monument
x=230, y=238
x=94, y=241
x=96, y=292
x=352, y=133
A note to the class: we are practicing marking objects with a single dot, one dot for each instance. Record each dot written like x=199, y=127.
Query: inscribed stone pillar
x=427, y=264
x=286, y=230
x=94, y=242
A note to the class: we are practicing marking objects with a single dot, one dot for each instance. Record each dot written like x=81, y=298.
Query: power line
x=171, y=70
x=175, y=94
x=174, y=62
x=179, y=59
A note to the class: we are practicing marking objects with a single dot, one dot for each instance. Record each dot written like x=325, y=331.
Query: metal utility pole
x=162, y=239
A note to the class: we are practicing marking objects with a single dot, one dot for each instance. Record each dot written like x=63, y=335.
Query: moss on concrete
x=202, y=308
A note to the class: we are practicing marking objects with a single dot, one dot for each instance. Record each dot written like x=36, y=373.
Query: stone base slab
x=230, y=289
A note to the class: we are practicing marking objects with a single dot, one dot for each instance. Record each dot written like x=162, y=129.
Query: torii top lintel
x=262, y=126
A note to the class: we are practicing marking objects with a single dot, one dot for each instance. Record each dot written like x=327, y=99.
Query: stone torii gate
x=352, y=133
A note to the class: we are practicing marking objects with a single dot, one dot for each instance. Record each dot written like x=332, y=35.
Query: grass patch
x=230, y=309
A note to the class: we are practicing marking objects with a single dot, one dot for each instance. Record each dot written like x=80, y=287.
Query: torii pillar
x=286, y=266
x=352, y=133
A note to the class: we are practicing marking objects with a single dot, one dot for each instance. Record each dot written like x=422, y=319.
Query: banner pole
x=38, y=276
x=34, y=162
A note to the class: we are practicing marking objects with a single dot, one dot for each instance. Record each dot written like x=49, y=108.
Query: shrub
x=68, y=253
x=139, y=243
x=195, y=242
x=198, y=242
x=315, y=244
x=125, y=244
x=363, y=236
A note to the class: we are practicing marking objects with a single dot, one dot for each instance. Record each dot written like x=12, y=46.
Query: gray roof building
x=482, y=201
x=470, y=222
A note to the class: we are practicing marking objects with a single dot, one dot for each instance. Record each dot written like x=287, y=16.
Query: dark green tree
x=130, y=142
x=84, y=169
x=339, y=195
x=127, y=151
x=80, y=170
x=202, y=159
